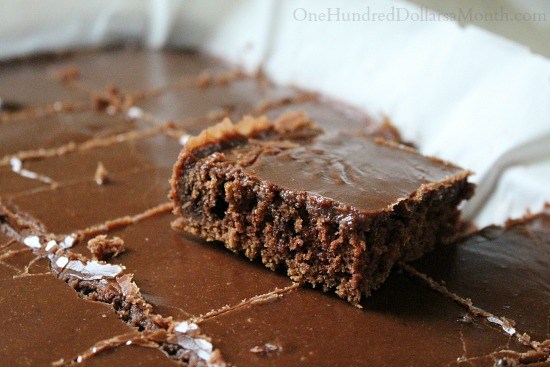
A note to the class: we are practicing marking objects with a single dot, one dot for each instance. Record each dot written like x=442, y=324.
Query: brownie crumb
x=204, y=79
x=216, y=358
x=267, y=350
x=103, y=248
x=69, y=74
x=112, y=100
x=101, y=102
x=101, y=174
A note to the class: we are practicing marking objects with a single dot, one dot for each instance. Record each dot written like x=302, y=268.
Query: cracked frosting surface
x=224, y=309
x=357, y=172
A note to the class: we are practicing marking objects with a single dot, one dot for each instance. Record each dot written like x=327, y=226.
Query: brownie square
x=337, y=210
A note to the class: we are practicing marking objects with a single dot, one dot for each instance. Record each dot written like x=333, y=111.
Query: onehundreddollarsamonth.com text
x=423, y=14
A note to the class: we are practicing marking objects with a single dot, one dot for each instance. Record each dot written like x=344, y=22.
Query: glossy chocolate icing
x=44, y=321
x=22, y=260
x=130, y=356
x=13, y=183
x=191, y=107
x=327, y=117
x=404, y=323
x=32, y=83
x=196, y=277
x=135, y=72
x=58, y=129
x=355, y=171
x=79, y=205
x=503, y=270
x=156, y=151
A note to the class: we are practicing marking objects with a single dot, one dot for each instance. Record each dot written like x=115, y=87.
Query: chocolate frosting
x=255, y=316
x=135, y=72
x=32, y=83
x=130, y=356
x=59, y=129
x=192, y=108
x=43, y=321
x=209, y=279
x=355, y=171
x=502, y=270
x=79, y=205
x=404, y=323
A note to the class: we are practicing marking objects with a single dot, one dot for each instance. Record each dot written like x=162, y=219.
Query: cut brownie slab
x=196, y=277
x=505, y=271
x=44, y=321
x=403, y=324
x=194, y=109
x=59, y=129
x=76, y=206
x=337, y=210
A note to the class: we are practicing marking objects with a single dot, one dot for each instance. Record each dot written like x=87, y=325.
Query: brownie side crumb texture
x=103, y=248
x=318, y=240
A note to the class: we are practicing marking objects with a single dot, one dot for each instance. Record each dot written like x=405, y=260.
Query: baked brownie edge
x=318, y=240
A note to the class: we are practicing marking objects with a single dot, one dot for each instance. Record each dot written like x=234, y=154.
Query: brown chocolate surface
x=196, y=277
x=136, y=72
x=130, y=356
x=404, y=323
x=149, y=152
x=104, y=289
x=22, y=260
x=32, y=82
x=79, y=205
x=13, y=183
x=354, y=171
x=44, y=321
x=58, y=129
x=194, y=108
x=503, y=270
x=326, y=116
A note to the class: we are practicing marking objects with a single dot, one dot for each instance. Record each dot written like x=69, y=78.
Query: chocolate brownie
x=502, y=271
x=188, y=298
x=336, y=210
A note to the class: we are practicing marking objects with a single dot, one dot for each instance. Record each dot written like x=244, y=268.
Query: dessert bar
x=94, y=273
x=337, y=210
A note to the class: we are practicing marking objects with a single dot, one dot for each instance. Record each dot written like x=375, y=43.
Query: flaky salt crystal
x=183, y=139
x=93, y=270
x=62, y=261
x=134, y=113
x=51, y=244
x=16, y=164
x=67, y=242
x=185, y=326
x=32, y=241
